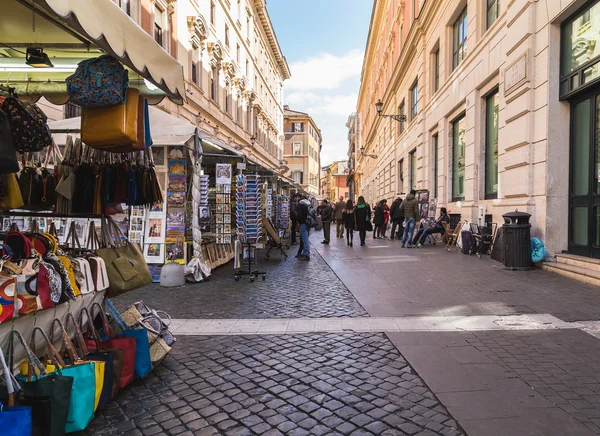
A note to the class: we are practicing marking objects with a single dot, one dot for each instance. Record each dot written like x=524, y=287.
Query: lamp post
x=379, y=107
x=362, y=152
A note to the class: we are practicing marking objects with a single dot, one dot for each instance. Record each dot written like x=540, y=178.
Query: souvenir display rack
x=249, y=221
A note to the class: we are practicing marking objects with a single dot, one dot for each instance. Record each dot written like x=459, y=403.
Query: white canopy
x=72, y=30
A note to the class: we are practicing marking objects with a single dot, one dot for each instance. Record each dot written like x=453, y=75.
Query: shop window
x=459, y=128
x=436, y=69
x=491, y=145
x=413, y=169
x=580, y=51
x=435, y=145
x=297, y=148
x=401, y=176
x=459, y=39
x=493, y=12
x=414, y=100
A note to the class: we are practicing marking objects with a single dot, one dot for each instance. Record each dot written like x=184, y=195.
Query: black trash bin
x=517, y=241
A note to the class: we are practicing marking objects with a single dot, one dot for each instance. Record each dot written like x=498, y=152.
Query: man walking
x=304, y=217
x=326, y=217
x=410, y=208
x=339, y=218
x=293, y=216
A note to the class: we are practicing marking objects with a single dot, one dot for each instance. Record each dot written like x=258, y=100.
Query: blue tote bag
x=143, y=364
x=14, y=420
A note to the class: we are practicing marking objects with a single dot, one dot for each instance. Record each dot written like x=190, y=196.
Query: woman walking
x=386, y=218
x=378, y=220
x=362, y=215
x=349, y=221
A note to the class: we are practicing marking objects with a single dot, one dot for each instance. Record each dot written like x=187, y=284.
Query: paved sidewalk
x=388, y=280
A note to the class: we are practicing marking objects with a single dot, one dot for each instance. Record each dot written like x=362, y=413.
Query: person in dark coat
x=294, y=216
x=386, y=218
x=397, y=216
x=362, y=215
x=378, y=220
x=349, y=222
x=410, y=208
x=326, y=213
x=337, y=215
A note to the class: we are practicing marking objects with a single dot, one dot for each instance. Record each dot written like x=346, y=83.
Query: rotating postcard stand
x=249, y=222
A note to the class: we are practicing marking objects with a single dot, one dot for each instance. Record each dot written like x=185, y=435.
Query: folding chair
x=453, y=237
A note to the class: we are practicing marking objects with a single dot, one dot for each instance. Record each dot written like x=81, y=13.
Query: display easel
x=253, y=274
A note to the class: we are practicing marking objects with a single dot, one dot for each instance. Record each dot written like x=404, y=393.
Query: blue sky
x=324, y=42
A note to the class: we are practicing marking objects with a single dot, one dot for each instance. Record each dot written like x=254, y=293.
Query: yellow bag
x=111, y=127
x=71, y=273
x=14, y=200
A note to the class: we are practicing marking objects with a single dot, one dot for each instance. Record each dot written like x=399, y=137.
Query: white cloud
x=326, y=87
x=325, y=71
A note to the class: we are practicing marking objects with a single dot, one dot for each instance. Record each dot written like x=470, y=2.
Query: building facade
x=333, y=181
x=352, y=178
x=302, y=150
x=233, y=66
x=500, y=105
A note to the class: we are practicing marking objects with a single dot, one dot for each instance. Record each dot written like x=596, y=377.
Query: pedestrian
x=362, y=216
x=349, y=221
x=305, y=214
x=386, y=218
x=293, y=206
x=410, y=208
x=396, y=215
x=378, y=220
x=326, y=217
x=337, y=215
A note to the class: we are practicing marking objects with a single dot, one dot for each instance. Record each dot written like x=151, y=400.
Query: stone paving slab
x=306, y=384
x=365, y=324
x=292, y=289
x=546, y=382
x=391, y=281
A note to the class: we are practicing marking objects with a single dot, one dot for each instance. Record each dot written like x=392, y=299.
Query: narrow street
x=371, y=340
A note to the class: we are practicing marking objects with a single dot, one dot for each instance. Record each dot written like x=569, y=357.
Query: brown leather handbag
x=114, y=127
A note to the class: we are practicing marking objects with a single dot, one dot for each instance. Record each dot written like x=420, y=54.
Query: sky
x=324, y=43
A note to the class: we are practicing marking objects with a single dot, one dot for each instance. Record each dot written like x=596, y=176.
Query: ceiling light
x=37, y=58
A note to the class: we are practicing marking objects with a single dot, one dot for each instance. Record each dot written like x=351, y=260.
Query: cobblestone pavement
x=334, y=384
x=292, y=289
x=391, y=281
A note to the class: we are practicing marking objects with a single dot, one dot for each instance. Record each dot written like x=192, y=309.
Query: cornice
x=265, y=21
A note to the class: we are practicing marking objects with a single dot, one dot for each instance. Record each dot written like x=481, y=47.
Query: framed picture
x=223, y=174
x=175, y=252
x=154, y=253
x=176, y=199
x=158, y=155
x=176, y=153
x=177, y=166
x=155, y=231
x=220, y=219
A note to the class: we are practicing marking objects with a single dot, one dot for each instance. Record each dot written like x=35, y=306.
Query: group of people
x=349, y=217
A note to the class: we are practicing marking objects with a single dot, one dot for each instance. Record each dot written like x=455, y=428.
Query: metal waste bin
x=517, y=241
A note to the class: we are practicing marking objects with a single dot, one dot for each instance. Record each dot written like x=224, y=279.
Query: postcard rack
x=249, y=221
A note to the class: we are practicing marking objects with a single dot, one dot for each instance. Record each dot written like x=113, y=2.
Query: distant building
x=333, y=181
x=302, y=149
x=352, y=180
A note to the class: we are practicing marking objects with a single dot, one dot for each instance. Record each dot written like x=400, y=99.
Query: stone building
x=333, y=181
x=302, y=150
x=500, y=103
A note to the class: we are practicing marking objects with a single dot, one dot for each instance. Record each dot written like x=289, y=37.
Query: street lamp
x=362, y=151
x=379, y=107
x=252, y=140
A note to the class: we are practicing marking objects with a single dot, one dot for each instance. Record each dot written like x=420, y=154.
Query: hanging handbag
x=9, y=162
x=11, y=197
x=98, y=82
x=14, y=420
x=28, y=126
x=67, y=292
x=30, y=184
x=85, y=279
x=111, y=127
x=8, y=299
x=125, y=264
x=148, y=133
x=112, y=356
x=47, y=286
x=83, y=394
x=143, y=363
x=38, y=386
x=110, y=341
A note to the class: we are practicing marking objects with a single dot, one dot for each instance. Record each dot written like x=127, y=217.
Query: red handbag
x=125, y=344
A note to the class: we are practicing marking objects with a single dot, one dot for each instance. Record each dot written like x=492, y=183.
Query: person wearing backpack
x=306, y=216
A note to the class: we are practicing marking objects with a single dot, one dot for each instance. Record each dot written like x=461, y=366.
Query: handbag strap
x=67, y=343
x=90, y=327
x=11, y=382
x=93, y=243
x=114, y=313
x=78, y=336
x=72, y=239
x=34, y=362
x=107, y=330
x=51, y=352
